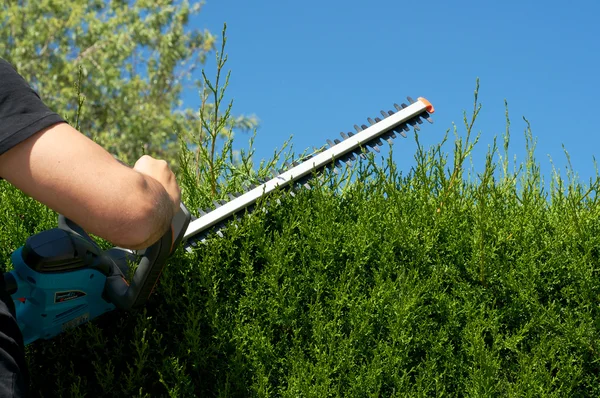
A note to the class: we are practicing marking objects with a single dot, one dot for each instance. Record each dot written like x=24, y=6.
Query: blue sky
x=314, y=68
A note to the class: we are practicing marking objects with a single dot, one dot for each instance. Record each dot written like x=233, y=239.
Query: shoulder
x=11, y=81
x=22, y=112
x=9, y=73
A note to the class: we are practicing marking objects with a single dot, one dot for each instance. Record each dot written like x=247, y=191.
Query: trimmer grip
x=126, y=295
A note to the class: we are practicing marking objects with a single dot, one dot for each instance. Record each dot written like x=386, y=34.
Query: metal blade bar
x=305, y=168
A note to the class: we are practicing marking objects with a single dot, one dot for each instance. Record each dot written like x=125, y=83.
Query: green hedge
x=428, y=283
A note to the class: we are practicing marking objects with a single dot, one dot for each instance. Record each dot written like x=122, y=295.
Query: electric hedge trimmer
x=62, y=279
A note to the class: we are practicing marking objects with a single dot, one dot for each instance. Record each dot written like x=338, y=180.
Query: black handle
x=132, y=294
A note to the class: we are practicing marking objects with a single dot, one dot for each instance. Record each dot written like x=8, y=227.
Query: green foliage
x=136, y=57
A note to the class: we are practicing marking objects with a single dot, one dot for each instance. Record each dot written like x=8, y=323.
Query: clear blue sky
x=314, y=68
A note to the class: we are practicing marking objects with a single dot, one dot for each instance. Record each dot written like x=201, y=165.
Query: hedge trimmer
x=62, y=279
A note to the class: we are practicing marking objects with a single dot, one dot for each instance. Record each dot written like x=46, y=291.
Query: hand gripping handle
x=132, y=294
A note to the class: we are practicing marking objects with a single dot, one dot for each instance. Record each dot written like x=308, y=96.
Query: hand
x=160, y=171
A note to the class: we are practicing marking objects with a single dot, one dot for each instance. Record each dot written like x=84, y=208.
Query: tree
x=130, y=59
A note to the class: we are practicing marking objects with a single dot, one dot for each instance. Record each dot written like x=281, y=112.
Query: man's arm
x=74, y=176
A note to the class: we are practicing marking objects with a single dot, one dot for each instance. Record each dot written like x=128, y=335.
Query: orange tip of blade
x=427, y=104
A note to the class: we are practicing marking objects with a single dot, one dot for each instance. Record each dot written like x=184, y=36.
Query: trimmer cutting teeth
x=61, y=277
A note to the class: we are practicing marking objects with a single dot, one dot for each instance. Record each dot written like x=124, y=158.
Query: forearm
x=74, y=176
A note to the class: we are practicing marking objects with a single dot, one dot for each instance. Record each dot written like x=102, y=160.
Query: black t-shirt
x=22, y=112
